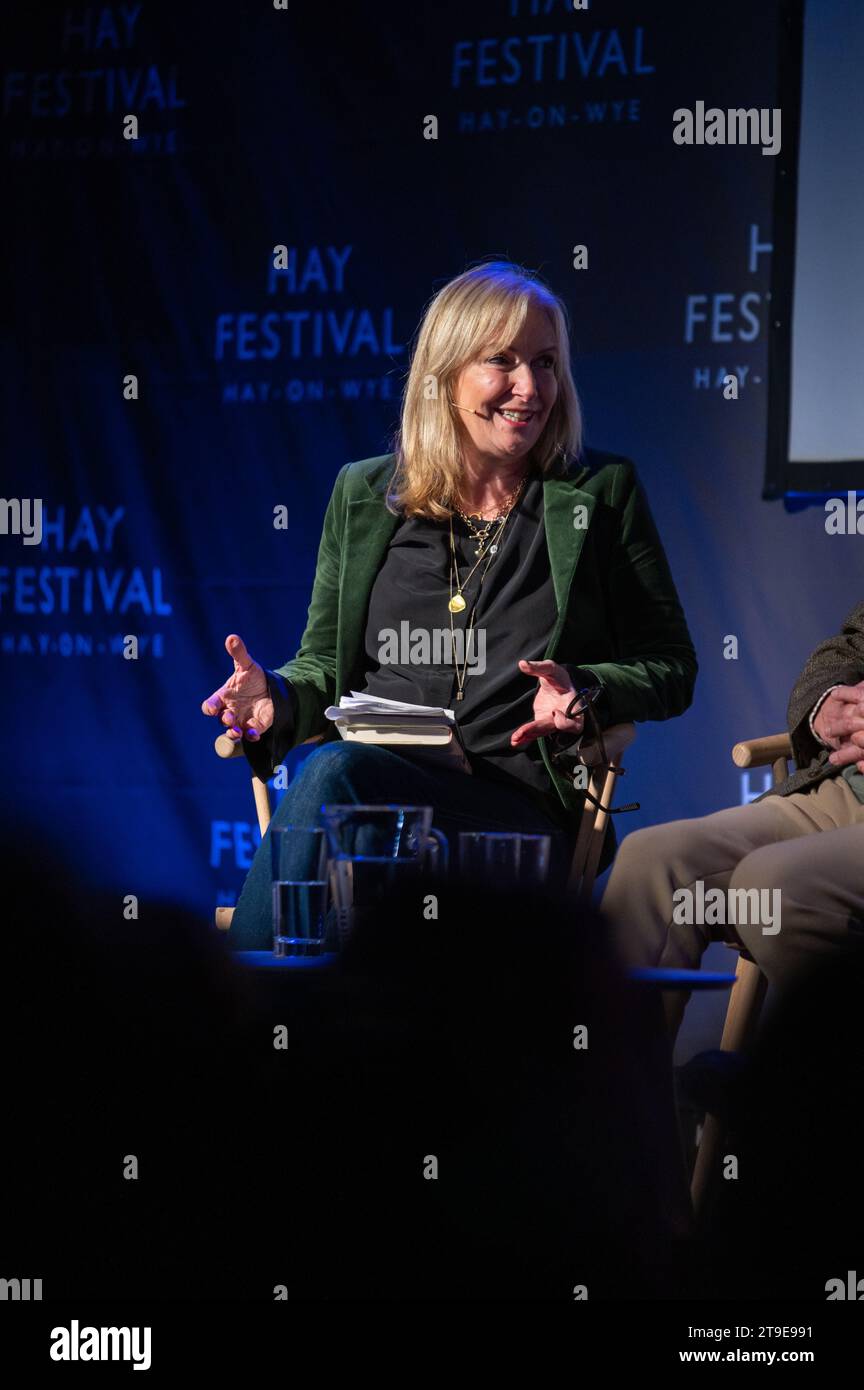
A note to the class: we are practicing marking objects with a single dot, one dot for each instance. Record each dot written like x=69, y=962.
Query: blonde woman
x=489, y=522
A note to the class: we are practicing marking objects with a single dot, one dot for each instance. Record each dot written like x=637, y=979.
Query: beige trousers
x=806, y=850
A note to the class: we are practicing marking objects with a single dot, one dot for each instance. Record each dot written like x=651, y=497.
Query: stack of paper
x=424, y=730
x=359, y=706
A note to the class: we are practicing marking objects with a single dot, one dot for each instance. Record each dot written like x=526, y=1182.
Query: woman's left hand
x=555, y=690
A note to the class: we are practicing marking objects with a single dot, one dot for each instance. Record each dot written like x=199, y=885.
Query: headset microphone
x=471, y=409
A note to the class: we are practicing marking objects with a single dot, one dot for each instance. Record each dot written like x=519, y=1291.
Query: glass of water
x=376, y=849
x=301, y=890
x=503, y=859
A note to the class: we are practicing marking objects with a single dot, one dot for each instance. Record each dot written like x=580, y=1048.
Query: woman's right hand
x=243, y=702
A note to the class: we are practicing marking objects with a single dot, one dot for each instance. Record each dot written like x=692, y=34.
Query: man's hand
x=243, y=702
x=850, y=752
x=555, y=690
x=840, y=724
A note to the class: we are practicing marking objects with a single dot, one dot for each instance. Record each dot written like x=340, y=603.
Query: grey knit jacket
x=837, y=661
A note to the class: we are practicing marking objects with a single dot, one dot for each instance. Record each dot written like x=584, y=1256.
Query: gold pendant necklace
x=457, y=602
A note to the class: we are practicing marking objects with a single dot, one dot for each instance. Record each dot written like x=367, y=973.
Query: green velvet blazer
x=620, y=623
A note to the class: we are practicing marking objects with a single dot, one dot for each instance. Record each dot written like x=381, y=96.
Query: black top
x=408, y=643
x=515, y=616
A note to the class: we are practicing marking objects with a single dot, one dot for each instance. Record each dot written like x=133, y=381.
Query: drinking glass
x=301, y=892
x=502, y=859
x=376, y=849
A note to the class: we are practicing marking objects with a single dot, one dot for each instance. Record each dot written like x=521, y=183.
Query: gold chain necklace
x=457, y=599
x=457, y=602
x=482, y=535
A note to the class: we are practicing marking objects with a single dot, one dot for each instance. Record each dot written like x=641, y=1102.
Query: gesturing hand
x=242, y=702
x=555, y=690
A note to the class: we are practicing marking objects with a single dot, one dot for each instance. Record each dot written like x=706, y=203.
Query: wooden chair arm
x=759, y=752
x=225, y=747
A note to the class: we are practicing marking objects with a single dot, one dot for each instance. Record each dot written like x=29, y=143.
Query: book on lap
x=421, y=731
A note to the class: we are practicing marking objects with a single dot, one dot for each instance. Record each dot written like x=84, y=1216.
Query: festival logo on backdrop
x=84, y=601
x=733, y=319
x=102, y=91
x=571, y=72
x=309, y=344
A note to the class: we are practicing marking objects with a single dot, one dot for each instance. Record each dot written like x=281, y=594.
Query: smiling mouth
x=517, y=417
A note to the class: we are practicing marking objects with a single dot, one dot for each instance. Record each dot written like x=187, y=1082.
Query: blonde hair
x=484, y=307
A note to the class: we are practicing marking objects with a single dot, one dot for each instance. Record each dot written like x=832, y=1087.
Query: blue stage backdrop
x=165, y=389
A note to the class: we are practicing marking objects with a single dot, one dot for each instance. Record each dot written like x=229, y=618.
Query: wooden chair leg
x=261, y=793
x=589, y=841
x=580, y=853
x=745, y=1004
x=592, y=824
x=748, y=991
x=707, y=1156
x=742, y=1015
x=604, y=790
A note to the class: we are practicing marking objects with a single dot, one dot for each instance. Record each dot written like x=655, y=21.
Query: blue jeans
x=351, y=773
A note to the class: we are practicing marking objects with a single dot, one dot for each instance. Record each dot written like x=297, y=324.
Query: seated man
x=662, y=881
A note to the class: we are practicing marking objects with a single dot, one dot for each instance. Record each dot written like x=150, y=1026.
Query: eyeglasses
x=591, y=736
